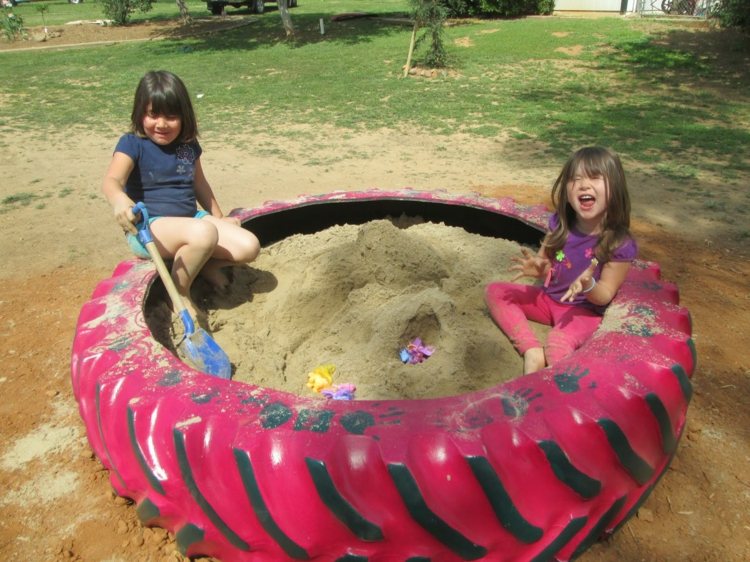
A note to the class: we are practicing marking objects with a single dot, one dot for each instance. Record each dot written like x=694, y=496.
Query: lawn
x=670, y=95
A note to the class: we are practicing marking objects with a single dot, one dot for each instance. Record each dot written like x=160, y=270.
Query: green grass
x=659, y=93
x=60, y=12
x=18, y=200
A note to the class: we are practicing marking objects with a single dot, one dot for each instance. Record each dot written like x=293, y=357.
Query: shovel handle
x=144, y=235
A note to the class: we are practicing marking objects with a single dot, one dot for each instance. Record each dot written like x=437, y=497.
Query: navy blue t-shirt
x=163, y=176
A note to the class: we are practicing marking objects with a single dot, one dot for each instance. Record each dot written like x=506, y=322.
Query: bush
x=12, y=25
x=460, y=8
x=119, y=10
x=732, y=13
x=498, y=8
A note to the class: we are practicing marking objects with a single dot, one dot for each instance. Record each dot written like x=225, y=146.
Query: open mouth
x=586, y=201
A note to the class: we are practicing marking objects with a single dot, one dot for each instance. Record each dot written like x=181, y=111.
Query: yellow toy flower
x=321, y=377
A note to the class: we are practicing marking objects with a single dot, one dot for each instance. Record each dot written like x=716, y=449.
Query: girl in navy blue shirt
x=158, y=163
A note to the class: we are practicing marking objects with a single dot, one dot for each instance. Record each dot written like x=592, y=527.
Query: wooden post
x=411, y=49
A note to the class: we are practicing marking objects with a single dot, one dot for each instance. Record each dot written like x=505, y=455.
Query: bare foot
x=533, y=360
x=215, y=277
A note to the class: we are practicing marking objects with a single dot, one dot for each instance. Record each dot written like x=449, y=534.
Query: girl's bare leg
x=214, y=274
x=533, y=360
x=191, y=243
x=235, y=245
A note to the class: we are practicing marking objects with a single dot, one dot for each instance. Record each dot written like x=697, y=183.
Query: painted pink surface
x=241, y=472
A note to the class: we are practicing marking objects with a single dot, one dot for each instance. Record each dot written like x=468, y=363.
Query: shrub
x=12, y=25
x=732, y=13
x=119, y=10
x=498, y=8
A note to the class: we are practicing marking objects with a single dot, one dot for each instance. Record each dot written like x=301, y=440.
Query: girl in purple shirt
x=159, y=164
x=583, y=260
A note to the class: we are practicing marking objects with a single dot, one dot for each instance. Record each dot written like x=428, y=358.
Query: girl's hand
x=529, y=265
x=113, y=188
x=585, y=282
x=232, y=220
x=124, y=216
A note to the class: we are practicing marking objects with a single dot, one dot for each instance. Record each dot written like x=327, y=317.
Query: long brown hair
x=167, y=95
x=594, y=162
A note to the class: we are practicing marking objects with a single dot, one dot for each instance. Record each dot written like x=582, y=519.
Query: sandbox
x=535, y=468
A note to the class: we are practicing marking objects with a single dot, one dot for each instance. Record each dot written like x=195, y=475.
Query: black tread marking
x=633, y=510
x=502, y=503
x=252, y=490
x=150, y=476
x=187, y=536
x=339, y=506
x=684, y=380
x=450, y=537
x=147, y=511
x=597, y=530
x=668, y=439
x=638, y=469
x=644, y=497
x=568, y=474
x=200, y=499
x=561, y=540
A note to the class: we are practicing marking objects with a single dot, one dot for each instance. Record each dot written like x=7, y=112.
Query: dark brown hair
x=594, y=162
x=167, y=95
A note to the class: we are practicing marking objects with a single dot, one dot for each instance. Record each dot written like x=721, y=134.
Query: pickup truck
x=216, y=7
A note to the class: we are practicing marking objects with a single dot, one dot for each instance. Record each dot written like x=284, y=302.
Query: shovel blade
x=202, y=351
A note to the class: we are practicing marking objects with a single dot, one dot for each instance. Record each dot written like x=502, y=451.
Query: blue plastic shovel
x=200, y=349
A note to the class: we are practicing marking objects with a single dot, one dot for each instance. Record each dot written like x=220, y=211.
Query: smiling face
x=161, y=129
x=588, y=196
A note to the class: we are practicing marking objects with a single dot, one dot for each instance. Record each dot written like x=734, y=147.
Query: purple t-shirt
x=163, y=176
x=575, y=257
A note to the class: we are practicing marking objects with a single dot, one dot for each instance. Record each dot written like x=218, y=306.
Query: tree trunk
x=184, y=15
x=286, y=18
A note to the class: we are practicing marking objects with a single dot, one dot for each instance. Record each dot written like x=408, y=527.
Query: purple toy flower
x=415, y=352
x=343, y=391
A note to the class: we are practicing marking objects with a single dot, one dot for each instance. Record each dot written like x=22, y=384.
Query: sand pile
x=354, y=295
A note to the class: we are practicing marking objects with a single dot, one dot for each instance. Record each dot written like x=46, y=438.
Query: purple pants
x=512, y=306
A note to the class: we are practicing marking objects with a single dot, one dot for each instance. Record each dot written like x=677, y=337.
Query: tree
x=286, y=18
x=184, y=15
x=429, y=15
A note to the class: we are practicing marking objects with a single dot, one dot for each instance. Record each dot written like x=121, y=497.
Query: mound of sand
x=354, y=295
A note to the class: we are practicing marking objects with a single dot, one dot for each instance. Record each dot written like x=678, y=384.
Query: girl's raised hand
x=584, y=283
x=529, y=265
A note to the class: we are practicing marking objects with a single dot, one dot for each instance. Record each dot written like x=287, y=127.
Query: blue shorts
x=139, y=249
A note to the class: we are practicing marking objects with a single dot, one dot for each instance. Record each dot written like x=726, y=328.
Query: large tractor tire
x=535, y=469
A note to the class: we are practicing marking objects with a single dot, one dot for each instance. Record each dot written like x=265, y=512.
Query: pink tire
x=534, y=469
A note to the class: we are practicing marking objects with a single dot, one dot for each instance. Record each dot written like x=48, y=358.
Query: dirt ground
x=55, y=500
